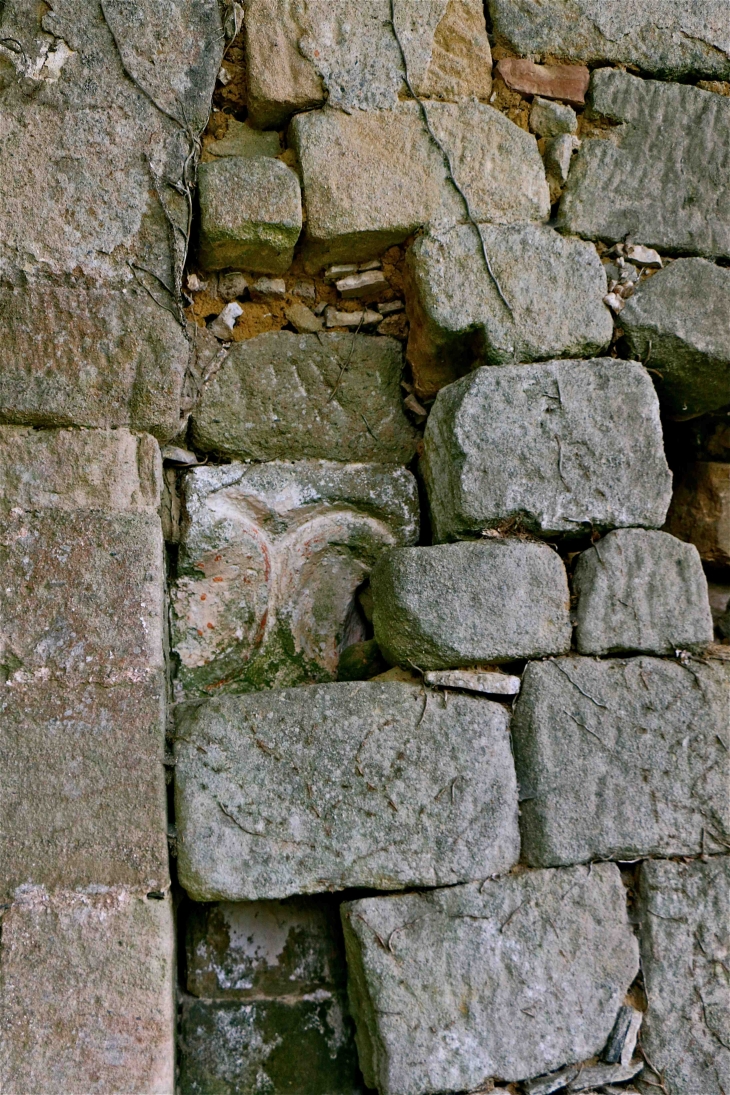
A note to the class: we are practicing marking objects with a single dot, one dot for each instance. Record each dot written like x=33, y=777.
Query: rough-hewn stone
x=700, y=510
x=641, y=591
x=622, y=758
x=507, y=978
x=550, y=119
x=338, y=785
x=562, y=446
x=658, y=36
x=658, y=177
x=554, y=287
x=685, y=941
x=678, y=322
x=466, y=604
x=250, y=214
x=86, y=993
x=285, y=396
x=271, y=558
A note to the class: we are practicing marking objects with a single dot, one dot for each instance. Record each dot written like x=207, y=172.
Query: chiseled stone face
x=360, y=784
x=270, y=562
x=512, y=977
x=622, y=758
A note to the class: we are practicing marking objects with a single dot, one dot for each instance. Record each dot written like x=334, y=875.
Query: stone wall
x=365, y=529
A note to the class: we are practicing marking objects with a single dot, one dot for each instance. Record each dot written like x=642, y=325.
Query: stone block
x=685, y=940
x=509, y=978
x=563, y=447
x=87, y=993
x=464, y=604
x=554, y=287
x=659, y=184
x=700, y=510
x=271, y=559
x=641, y=591
x=353, y=784
x=371, y=179
x=250, y=214
x=623, y=758
x=300, y=56
x=286, y=396
x=657, y=36
x=678, y=322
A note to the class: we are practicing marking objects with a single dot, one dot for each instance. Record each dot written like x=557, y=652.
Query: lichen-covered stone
x=554, y=287
x=87, y=993
x=271, y=558
x=332, y=786
x=685, y=939
x=250, y=214
x=678, y=322
x=466, y=604
x=622, y=758
x=285, y=396
x=641, y=591
x=700, y=510
x=509, y=978
x=562, y=446
x=663, y=37
x=658, y=176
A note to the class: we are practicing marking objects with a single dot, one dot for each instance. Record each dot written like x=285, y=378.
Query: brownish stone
x=566, y=82
x=700, y=511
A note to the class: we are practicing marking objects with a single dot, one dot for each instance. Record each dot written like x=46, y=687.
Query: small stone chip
x=549, y=119
x=222, y=326
x=340, y=270
x=303, y=319
x=622, y=1042
x=268, y=288
x=644, y=256
x=568, y=82
x=491, y=681
x=366, y=285
x=357, y=320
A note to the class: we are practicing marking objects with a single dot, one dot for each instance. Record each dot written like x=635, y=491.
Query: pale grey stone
x=332, y=786
x=549, y=119
x=559, y=156
x=622, y=758
x=642, y=591
x=298, y=396
x=685, y=939
x=679, y=323
x=667, y=37
x=564, y=446
x=543, y=959
x=356, y=321
x=490, y=681
x=271, y=559
x=463, y=604
x=554, y=286
x=660, y=183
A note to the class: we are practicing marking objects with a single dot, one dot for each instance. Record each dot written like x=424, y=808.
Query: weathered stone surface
x=509, y=978
x=659, y=177
x=250, y=214
x=685, y=940
x=270, y=562
x=568, y=82
x=241, y=140
x=282, y=396
x=86, y=993
x=641, y=591
x=493, y=682
x=679, y=320
x=371, y=179
x=563, y=446
x=299, y=55
x=622, y=758
x=461, y=604
x=339, y=785
x=553, y=285
x=700, y=510
x=659, y=36
x=549, y=119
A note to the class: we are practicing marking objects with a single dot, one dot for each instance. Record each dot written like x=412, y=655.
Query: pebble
x=174, y=454
x=305, y=289
x=614, y=302
x=389, y=308
x=550, y=119
x=266, y=288
x=233, y=285
x=491, y=681
x=303, y=319
x=335, y=318
x=340, y=270
x=222, y=326
x=644, y=256
x=367, y=284
x=194, y=283
x=568, y=82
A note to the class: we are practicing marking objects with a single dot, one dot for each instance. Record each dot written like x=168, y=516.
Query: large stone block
x=658, y=176
x=372, y=178
x=359, y=784
x=332, y=396
x=563, y=446
x=641, y=591
x=657, y=36
x=298, y=55
x=465, y=604
x=507, y=978
x=700, y=510
x=678, y=322
x=554, y=287
x=250, y=214
x=87, y=993
x=685, y=939
x=271, y=558
x=623, y=758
